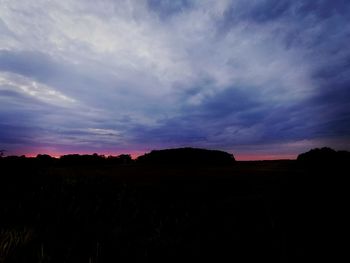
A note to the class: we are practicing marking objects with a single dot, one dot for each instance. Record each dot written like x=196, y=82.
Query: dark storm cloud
x=234, y=116
x=322, y=8
x=15, y=135
x=260, y=12
x=321, y=28
x=271, y=10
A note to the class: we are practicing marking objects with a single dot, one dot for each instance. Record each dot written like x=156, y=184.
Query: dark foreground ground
x=277, y=211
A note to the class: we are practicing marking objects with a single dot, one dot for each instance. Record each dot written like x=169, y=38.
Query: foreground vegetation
x=280, y=211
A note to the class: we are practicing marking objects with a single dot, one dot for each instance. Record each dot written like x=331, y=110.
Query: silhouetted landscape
x=96, y=97
x=170, y=205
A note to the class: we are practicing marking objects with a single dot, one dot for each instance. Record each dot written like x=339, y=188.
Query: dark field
x=275, y=211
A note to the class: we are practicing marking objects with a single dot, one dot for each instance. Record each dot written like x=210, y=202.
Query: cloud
x=166, y=8
x=13, y=83
x=137, y=74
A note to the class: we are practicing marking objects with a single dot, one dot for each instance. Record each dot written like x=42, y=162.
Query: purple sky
x=259, y=79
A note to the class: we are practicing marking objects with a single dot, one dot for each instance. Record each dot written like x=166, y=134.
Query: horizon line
x=134, y=155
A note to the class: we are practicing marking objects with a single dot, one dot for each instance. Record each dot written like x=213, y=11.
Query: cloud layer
x=251, y=77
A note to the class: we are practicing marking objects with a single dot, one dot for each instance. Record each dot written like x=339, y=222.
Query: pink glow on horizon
x=263, y=157
x=135, y=154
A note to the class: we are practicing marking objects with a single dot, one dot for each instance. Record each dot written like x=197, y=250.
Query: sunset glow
x=259, y=79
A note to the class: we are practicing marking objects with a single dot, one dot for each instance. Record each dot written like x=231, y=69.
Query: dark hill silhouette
x=324, y=156
x=318, y=155
x=186, y=156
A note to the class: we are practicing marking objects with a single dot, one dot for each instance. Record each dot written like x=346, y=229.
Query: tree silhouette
x=325, y=158
x=187, y=156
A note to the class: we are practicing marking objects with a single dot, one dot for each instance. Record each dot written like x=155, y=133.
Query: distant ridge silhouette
x=176, y=156
x=324, y=157
x=186, y=156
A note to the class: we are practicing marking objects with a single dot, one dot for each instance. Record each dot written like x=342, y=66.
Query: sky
x=262, y=79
